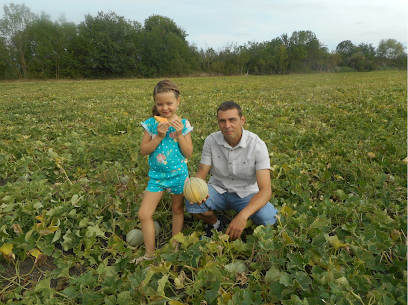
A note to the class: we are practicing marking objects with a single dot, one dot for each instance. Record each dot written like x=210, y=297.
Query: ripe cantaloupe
x=160, y=119
x=135, y=237
x=195, y=190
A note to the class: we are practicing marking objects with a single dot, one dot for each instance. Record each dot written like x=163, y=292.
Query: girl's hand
x=162, y=129
x=178, y=126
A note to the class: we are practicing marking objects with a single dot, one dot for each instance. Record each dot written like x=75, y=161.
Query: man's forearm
x=256, y=203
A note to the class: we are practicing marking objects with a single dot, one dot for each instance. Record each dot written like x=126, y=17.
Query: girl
x=168, y=144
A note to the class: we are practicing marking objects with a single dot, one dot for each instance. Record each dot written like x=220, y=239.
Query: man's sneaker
x=209, y=227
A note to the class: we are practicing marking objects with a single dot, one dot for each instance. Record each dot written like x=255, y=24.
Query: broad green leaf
x=286, y=211
x=28, y=235
x=57, y=236
x=188, y=240
x=148, y=277
x=43, y=284
x=212, y=294
x=334, y=241
x=64, y=272
x=382, y=216
x=71, y=292
x=52, y=153
x=286, y=279
x=287, y=239
x=272, y=275
x=124, y=297
x=320, y=223
x=84, y=222
x=74, y=199
x=237, y=266
x=162, y=283
x=341, y=195
x=110, y=300
x=303, y=279
x=107, y=271
x=94, y=230
x=343, y=282
x=162, y=268
x=387, y=301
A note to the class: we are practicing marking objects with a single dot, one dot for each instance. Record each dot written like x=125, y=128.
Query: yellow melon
x=195, y=190
x=160, y=119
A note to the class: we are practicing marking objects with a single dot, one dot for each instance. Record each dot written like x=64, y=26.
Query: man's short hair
x=230, y=105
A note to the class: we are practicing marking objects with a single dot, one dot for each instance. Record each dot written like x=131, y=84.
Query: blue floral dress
x=168, y=166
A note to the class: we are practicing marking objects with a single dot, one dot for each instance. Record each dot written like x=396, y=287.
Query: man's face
x=231, y=125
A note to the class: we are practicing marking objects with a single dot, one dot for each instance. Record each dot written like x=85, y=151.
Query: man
x=240, y=177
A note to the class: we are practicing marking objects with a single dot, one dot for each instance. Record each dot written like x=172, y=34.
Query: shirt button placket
x=230, y=169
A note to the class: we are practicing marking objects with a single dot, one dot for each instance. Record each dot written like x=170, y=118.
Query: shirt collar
x=242, y=143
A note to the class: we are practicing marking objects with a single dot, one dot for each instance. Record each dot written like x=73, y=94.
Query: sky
x=219, y=23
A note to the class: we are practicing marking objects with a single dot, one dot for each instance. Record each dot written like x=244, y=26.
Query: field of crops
x=72, y=178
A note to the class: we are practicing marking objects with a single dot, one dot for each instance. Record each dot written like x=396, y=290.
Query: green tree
x=369, y=53
x=207, y=58
x=164, y=50
x=390, y=49
x=346, y=48
x=106, y=45
x=6, y=70
x=305, y=52
x=41, y=35
x=13, y=27
x=297, y=52
x=65, y=57
x=282, y=59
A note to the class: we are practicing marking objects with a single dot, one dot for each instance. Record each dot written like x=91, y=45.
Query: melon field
x=72, y=180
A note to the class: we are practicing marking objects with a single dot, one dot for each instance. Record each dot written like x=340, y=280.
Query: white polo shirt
x=233, y=168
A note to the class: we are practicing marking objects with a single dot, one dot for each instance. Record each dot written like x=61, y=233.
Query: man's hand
x=236, y=227
x=202, y=201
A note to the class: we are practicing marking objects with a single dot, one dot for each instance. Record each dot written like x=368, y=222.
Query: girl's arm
x=185, y=142
x=149, y=144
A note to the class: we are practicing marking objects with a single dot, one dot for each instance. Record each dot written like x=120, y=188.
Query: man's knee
x=265, y=216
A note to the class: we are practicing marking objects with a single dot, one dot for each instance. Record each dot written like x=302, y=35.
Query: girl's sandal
x=142, y=258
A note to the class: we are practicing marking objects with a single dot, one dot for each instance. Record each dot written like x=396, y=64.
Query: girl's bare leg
x=145, y=214
x=177, y=206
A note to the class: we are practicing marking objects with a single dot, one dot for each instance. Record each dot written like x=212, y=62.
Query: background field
x=72, y=178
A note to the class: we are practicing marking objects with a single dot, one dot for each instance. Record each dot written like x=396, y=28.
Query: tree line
x=108, y=45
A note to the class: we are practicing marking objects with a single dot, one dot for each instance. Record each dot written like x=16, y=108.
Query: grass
x=72, y=178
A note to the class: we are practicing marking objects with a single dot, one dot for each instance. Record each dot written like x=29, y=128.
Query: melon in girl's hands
x=160, y=119
x=195, y=190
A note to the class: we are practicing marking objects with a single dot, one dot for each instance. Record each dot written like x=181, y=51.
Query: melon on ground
x=135, y=237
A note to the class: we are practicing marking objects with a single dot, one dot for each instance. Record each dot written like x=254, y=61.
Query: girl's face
x=166, y=104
